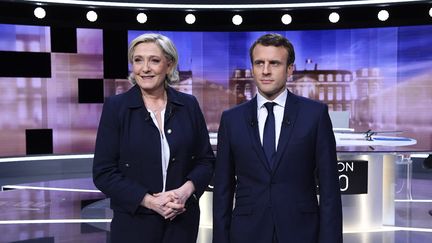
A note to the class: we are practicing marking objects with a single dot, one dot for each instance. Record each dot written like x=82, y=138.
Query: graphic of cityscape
x=381, y=76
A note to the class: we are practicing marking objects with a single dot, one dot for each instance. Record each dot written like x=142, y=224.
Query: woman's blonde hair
x=167, y=47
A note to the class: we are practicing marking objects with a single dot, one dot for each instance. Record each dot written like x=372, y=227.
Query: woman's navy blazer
x=127, y=159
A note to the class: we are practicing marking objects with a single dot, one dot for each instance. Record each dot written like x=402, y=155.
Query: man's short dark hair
x=277, y=40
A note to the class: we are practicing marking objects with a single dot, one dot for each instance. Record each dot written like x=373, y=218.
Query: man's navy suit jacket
x=282, y=200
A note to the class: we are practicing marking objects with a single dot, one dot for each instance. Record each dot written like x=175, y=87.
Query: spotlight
x=92, y=16
x=430, y=12
x=286, y=19
x=237, y=19
x=383, y=15
x=334, y=17
x=190, y=18
x=39, y=13
x=141, y=18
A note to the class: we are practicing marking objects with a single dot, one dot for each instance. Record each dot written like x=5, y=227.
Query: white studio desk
x=374, y=209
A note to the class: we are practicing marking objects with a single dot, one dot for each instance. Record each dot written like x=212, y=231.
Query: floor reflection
x=46, y=214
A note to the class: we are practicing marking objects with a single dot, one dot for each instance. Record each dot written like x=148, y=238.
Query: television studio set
x=368, y=61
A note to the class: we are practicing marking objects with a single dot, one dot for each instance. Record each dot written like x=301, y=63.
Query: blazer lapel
x=288, y=122
x=252, y=121
x=135, y=103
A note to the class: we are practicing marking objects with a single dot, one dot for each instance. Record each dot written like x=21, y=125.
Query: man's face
x=270, y=71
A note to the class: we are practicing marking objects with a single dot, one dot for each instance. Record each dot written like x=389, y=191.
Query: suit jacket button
x=173, y=159
x=169, y=131
x=193, y=157
x=127, y=165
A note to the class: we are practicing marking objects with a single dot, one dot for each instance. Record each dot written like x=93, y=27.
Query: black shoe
x=430, y=212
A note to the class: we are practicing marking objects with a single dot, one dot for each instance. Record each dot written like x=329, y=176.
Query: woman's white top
x=165, y=151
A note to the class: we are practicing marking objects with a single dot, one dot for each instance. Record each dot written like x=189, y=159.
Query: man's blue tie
x=269, y=137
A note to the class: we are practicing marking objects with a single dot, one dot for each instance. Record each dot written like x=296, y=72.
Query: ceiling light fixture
x=286, y=19
x=383, y=15
x=141, y=18
x=237, y=19
x=39, y=13
x=190, y=18
x=334, y=17
x=92, y=16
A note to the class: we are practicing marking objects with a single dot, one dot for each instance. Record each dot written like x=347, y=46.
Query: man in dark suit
x=273, y=152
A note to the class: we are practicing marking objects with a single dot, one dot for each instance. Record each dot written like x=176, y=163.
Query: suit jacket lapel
x=252, y=121
x=288, y=122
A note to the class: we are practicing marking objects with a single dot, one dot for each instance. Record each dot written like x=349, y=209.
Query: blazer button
x=127, y=165
x=193, y=157
x=173, y=159
x=169, y=131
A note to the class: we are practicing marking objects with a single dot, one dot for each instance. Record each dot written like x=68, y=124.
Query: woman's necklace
x=156, y=109
x=156, y=106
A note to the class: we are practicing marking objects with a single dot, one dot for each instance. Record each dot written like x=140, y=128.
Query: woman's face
x=150, y=67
